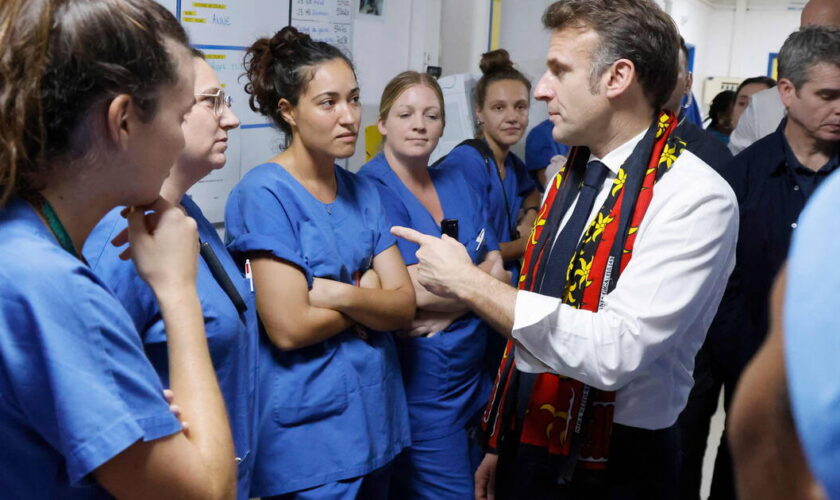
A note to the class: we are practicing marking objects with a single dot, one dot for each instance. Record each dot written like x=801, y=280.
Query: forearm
x=491, y=299
x=193, y=380
x=310, y=325
x=513, y=250
x=495, y=266
x=380, y=309
x=428, y=301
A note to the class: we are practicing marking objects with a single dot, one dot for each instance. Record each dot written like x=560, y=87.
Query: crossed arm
x=295, y=317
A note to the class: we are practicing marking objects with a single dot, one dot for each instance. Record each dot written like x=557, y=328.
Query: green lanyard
x=54, y=223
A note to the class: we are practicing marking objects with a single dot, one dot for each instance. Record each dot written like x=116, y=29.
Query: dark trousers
x=710, y=376
x=643, y=465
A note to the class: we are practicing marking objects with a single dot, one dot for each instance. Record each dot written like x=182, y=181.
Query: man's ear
x=287, y=112
x=618, y=77
x=119, y=120
x=787, y=91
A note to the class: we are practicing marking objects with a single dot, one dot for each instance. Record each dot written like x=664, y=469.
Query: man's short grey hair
x=805, y=48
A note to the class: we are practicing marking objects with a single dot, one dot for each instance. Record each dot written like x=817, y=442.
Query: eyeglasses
x=220, y=101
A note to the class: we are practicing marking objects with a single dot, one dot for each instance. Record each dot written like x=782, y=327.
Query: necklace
x=54, y=223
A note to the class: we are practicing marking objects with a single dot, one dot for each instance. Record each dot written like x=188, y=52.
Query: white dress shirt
x=761, y=118
x=643, y=340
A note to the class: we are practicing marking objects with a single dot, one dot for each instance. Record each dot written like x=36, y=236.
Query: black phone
x=449, y=227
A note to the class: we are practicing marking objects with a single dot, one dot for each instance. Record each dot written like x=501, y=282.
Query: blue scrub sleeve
x=469, y=162
x=384, y=238
x=121, y=276
x=538, y=153
x=79, y=376
x=525, y=182
x=257, y=221
x=491, y=240
x=811, y=340
x=397, y=215
x=540, y=149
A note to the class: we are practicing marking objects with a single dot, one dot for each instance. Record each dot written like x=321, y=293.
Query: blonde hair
x=403, y=82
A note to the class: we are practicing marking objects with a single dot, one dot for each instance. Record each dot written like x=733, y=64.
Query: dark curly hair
x=281, y=67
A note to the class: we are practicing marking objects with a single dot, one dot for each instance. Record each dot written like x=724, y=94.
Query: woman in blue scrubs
x=501, y=106
x=229, y=312
x=91, y=100
x=502, y=101
x=442, y=354
x=328, y=281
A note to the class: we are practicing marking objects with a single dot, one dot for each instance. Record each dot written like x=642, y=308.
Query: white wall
x=720, y=48
x=694, y=19
x=520, y=18
x=464, y=34
x=765, y=30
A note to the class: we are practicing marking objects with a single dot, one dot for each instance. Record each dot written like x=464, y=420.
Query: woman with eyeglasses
x=229, y=312
x=92, y=98
x=329, y=284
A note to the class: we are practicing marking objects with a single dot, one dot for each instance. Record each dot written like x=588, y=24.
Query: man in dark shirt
x=698, y=141
x=772, y=179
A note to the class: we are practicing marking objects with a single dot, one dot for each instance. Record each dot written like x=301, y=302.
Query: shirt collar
x=793, y=164
x=616, y=158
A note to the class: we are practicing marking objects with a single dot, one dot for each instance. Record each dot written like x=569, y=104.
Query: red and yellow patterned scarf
x=560, y=421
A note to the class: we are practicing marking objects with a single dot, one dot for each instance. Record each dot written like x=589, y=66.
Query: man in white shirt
x=765, y=110
x=760, y=119
x=653, y=232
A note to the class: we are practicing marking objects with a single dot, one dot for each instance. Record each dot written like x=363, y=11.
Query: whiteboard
x=223, y=30
x=328, y=21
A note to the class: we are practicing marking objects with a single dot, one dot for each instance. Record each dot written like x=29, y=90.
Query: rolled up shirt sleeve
x=667, y=294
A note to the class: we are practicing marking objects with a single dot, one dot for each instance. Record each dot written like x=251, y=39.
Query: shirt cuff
x=530, y=319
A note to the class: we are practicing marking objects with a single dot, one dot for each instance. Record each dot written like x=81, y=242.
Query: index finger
x=411, y=235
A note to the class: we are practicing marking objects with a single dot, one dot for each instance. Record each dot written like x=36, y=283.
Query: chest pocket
x=338, y=249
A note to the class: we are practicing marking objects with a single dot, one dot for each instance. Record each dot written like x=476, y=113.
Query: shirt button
x=793, y=225
x=796, y=188
x=237, y=460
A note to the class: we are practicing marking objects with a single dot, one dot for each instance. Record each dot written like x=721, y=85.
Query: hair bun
x=287, y=41
x=495, y=60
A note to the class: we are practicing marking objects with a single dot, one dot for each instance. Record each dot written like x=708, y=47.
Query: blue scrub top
x=231, y=337
x=444, y=375
x=517, y=185
x=334, y=410
x=811, y=340
x=76, y=387
x=540, y=147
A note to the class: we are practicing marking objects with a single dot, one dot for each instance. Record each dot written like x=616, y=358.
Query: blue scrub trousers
x=437, y=469
x=373, y=486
